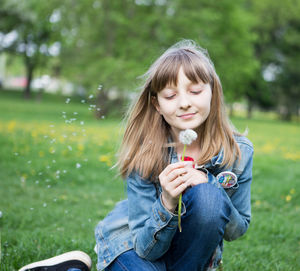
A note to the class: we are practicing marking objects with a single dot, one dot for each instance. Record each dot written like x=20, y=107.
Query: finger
x=173, y=166
x=175, y=173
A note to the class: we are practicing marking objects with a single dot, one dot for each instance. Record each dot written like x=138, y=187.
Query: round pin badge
x=227, y=179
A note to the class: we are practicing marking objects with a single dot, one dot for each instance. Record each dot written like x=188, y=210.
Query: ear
x=155, y=103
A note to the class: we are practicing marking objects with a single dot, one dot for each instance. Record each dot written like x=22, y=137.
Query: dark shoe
x=63, y=262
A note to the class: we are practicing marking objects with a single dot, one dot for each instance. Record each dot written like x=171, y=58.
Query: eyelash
x=193, y=92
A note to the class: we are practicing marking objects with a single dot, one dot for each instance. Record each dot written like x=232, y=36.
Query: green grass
x=51, y=205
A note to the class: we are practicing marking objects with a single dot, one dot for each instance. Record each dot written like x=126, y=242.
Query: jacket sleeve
x=151, y=224
x=240, y=200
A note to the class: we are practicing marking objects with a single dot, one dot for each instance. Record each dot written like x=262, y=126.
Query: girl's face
x=185, y=106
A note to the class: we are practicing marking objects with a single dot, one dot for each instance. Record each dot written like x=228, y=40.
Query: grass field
x=56, y=184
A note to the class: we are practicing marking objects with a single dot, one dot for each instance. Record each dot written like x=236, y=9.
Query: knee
x=207, y=205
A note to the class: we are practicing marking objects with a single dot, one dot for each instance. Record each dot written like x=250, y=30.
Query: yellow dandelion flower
x=105, y=159
x=268, y=148
x=34, y=134
x=257, y=203
x=288, y=198
x=80, y=147
x=11, y=126
x=292, y=191
x=291, y=156
x=41, y=154
x=62, y=139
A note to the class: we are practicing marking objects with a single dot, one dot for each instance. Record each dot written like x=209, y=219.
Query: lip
x=187, y=116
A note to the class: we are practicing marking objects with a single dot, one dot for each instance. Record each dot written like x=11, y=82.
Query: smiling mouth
x=187, y=116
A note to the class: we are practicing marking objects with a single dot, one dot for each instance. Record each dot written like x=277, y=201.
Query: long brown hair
x=143, y=148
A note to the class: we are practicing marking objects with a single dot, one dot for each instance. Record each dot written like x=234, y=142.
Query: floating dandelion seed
x=78, y=165
x=45, y=204
x=68, y=100
x=91, y=96
x=82, y=123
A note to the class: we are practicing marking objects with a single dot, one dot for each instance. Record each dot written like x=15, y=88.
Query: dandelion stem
x=180, y=197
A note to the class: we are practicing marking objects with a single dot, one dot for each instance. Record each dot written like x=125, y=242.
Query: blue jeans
x=203, y=225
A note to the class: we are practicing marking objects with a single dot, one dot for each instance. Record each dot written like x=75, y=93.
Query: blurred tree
x=112, y=42
x=30, y=20
x=278, y=50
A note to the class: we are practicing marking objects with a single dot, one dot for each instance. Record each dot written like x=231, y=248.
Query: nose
x=184, y=101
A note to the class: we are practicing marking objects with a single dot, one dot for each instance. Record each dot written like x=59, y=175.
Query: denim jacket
x=137, y=221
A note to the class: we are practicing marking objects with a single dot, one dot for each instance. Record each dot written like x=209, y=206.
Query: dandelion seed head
x=37, y=182
x=70, y=148
x=102, y=117
x=31, y=209
x=82, y=101
x=53, y=161
x=99, y=87
x=75, y=113
x=44, y=204
x=68, y=100
x=29, y=162
x=82, y=123
x=49, y=186
x=187, y=136
x=1, y=214
x=16, y=154
x=98, y=109
x=78, y=165
x=91, y=96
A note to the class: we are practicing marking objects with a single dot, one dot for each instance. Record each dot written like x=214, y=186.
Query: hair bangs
x=167, y=72
x=195, y=68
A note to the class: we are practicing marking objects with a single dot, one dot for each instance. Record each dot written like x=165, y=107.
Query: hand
x=194, y=177
x=173, y=184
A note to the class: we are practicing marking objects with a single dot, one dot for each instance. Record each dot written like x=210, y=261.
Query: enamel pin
x=227, y=179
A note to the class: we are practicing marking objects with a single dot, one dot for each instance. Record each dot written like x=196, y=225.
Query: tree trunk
x=249, y=109
x=29, y=76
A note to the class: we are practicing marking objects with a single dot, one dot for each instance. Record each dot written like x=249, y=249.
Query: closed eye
x=170, y=97
x=196, y=92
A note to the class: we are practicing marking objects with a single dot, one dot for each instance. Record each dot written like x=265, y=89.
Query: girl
x=181, y=91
